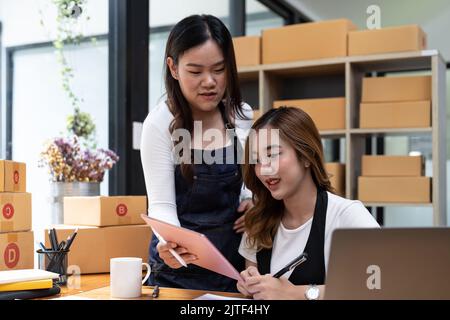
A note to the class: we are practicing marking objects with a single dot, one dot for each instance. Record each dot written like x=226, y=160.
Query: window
x=40, y=108
x=258, y=18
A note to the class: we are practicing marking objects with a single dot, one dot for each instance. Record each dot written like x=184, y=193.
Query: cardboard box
x=306, y=41
x=104, y=211
x=393, y=166
x=247, y=50
x=337, y=179
x=396, y=89
x=394, y=189
x=93, y=247
x=16, y=250
x=411, y=114
x=15, y=212
x=12, y=176
x=327, y=113
x=393, y=39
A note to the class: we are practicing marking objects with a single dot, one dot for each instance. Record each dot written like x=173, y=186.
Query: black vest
x=312, y=271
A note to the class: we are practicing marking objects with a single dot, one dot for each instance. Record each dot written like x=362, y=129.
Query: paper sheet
x=210, y=296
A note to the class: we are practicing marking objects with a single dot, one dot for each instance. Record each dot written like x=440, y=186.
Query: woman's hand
x=239, y=225
x=246, y=274
x=269, y=288
x=169, y=259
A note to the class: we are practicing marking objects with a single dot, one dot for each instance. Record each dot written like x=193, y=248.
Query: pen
x=155, y=293
x=292, y=265
x=55, y=236
x=52, y=239
x=70, y=240
x=176, y=255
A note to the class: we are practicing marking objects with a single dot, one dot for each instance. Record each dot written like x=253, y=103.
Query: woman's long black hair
x=191, y=32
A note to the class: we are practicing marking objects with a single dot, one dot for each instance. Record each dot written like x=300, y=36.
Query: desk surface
x=97, y=287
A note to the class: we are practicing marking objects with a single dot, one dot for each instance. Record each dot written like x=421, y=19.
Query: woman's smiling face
x=278, y=167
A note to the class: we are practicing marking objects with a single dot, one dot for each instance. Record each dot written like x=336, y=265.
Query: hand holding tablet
x=208, y=256
x=173, y=252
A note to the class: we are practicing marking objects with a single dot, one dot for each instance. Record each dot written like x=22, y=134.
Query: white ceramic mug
x=126, y=277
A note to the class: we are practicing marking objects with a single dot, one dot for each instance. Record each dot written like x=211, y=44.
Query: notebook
x=12, y=276
x=27, y=285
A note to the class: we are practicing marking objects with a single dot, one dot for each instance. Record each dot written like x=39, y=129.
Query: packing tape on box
x=12, y=237
x=16, y=181
x=124, y=220
x=6, y=226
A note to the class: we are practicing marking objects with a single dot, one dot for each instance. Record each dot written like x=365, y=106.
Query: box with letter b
x=104, y=211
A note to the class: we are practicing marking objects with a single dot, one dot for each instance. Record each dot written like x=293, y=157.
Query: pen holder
x=54, y=261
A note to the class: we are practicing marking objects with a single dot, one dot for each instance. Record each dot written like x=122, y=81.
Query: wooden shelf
x=342, y=76
x=331, y=134
x=249, y=73
x=306, y=68
x=397, y=204
x=391, y=131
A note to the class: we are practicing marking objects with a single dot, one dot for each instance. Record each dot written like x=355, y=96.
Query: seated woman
x=295, y=208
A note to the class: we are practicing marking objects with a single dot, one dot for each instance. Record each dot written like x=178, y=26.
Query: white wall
x=21, y=20
x=433, y=16
x=39, y=102
x=169, y=12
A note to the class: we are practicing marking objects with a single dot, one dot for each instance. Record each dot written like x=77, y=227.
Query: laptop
x=389, y=263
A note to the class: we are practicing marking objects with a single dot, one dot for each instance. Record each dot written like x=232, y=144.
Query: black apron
x=209, y=206
x=312, y=271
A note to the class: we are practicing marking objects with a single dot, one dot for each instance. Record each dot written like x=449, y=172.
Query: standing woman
x=202, y=88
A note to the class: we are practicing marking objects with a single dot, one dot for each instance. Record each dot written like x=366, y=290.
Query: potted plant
x=76, y=166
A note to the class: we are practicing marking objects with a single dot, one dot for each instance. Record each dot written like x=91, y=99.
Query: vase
x=59, y=190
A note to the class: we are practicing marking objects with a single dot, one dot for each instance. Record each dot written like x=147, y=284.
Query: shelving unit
x=324, y=78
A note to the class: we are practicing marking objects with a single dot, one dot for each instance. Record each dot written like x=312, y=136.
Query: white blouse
x=290, y=243
x=159, y=164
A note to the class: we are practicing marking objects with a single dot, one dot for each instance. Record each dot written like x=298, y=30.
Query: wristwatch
x=312, y=293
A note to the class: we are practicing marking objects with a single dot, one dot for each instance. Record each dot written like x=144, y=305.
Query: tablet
x=209, y=257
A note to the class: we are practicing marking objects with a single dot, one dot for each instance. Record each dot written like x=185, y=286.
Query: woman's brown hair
x=191, y=32
x=298, y=130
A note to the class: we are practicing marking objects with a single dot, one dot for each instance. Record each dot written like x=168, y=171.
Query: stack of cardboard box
x=394, y=179
x=16, y=237
x=396, y=102
x=324, y=39
x=108, y=227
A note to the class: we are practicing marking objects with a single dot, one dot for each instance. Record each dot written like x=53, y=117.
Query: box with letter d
x=16, y=250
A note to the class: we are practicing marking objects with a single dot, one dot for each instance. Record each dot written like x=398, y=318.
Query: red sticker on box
x=16, y=177
x=11, y=255
x=121, y=210
x=8, y=211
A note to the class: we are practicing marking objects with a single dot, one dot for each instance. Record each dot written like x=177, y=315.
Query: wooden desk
x=97, y=287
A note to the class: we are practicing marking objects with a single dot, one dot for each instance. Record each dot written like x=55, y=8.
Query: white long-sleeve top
x=159, y=164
